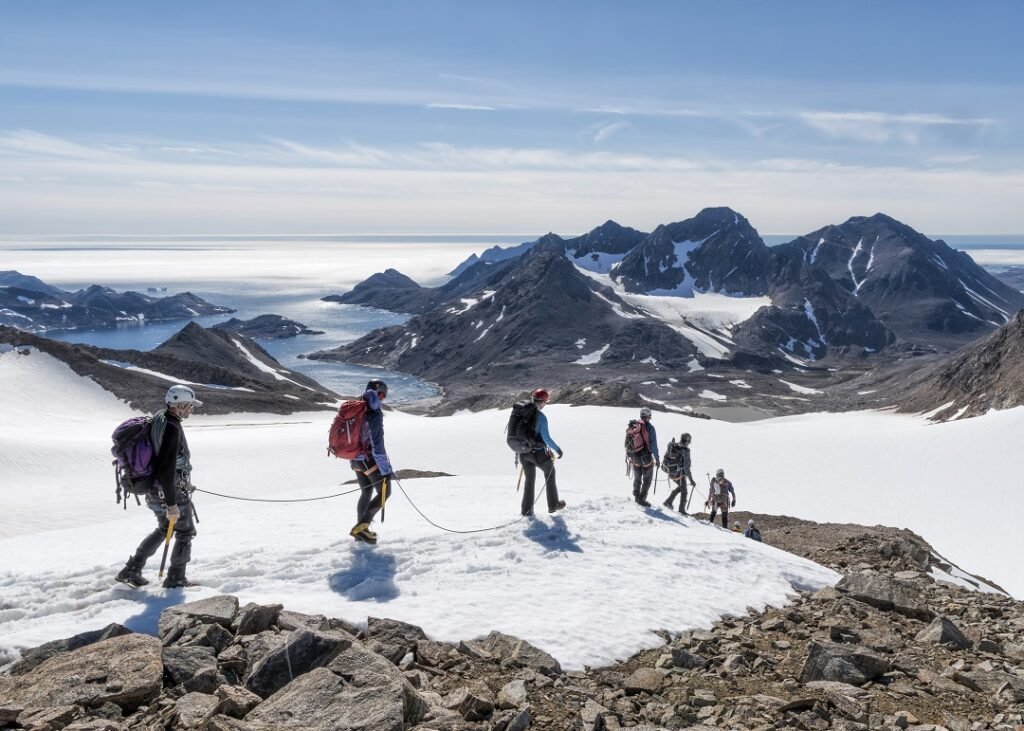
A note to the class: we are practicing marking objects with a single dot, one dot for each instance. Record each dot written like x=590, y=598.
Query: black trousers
x=184, y=532
x=371, y=486
x=679, y=490
x=642, y=474
x=531, y=461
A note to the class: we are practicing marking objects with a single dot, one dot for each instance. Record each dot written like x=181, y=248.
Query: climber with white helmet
x=170, y=496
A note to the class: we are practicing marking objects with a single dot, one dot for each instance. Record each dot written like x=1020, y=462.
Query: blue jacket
x=753, y=533
x=652, y=437
x=374, y=451
x=542, y=430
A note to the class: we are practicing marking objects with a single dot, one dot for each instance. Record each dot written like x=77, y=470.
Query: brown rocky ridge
x=888, y=648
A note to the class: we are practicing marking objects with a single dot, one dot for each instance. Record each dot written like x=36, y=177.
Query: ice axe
x=167, y=545
x=520, y=480
x=383, y=498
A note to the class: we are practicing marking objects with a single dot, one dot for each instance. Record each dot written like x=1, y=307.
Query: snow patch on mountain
x=591, y=358
x=692, y=316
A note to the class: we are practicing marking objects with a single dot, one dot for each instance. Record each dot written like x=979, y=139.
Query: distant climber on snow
x=719, y=494
x=357, y=434
x=752, y=531
x=528, y=436
x=170, y=497
x=642, y=454
x=677, y=465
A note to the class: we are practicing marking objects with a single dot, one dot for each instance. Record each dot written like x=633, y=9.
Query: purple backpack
x=133, y=457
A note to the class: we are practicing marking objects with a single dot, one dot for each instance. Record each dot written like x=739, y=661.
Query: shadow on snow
x=555, y=537
x=370, y=578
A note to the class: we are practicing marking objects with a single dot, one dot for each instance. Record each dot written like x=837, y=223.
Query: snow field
x=589, y=584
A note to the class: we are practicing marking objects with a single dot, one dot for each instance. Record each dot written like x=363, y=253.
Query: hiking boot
x=668, y=504
x=560, y=505
x=682, y=511
x=643, y=502
x=132, y=577
x=176, y=579
x=178, y=583
x=528, y=515
x=362, y=532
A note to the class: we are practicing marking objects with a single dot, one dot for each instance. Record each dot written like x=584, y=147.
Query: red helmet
x=540, y=395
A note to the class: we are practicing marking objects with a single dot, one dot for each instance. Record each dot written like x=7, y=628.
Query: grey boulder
x=842, y=663
x=515, y=652
x=125, y=670
x=885, y=593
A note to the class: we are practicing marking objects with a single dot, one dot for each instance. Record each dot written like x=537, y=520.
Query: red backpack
x=345, y=440
x=635, y=442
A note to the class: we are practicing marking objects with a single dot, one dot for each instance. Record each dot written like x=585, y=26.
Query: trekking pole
x=693, y=489
x=383, y=498
x=167, y=545
x=520, y=480
x=656, y=471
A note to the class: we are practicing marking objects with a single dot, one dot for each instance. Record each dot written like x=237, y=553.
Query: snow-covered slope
x=588, y=584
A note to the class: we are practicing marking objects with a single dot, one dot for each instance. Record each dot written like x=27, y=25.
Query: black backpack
x=673, y=456
x=521, y=432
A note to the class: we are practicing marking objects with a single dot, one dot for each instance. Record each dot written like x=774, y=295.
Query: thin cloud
x=469, y=107
x=607, y=130
x=883, y=127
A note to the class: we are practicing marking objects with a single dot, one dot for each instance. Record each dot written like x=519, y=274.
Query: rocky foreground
x=887, y=648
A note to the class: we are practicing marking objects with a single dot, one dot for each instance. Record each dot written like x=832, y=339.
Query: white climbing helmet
x=645, y=413
x=180, y=396
x=719, y=472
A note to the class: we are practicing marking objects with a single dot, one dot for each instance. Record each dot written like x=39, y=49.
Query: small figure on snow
x=752, y=531
x=677, y=465
x=371, y=464
x=642, y=454
x=529, y=438
x=170, y=497
x=719, y=494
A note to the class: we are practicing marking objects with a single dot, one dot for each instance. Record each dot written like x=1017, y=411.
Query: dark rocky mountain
x=922, y=290
x=603, y=247
x=715, y=251
x=229, y=372
x=976, y=378
x=39, y=310
x=11, y=278
x=810, y=315
x=492, y=255
x=266, y=327
x=387, y=290
x=393, y=291
x=890, y=646
x=542, y=311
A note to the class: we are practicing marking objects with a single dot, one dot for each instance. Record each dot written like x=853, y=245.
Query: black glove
x=692, y=483
x=657, y=462
x=559, y=453
x=734, y=502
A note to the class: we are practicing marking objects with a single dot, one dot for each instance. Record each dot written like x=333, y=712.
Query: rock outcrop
x=266, y=327
x=32, y=305
x=230, y=373
x=860, y=656
x=979, y=377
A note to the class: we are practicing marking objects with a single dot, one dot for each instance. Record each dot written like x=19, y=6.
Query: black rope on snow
x=452, y=530
x=476, y=530
x=269, y=500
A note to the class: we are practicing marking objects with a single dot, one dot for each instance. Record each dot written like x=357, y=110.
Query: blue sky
x=334, y=117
